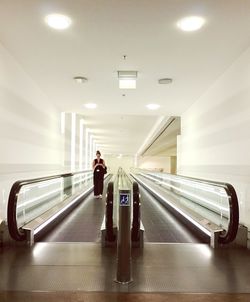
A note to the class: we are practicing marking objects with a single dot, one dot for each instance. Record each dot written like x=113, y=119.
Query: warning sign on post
x=124, y=199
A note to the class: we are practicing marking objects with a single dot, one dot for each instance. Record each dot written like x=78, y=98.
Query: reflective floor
x=160, y=272
x=169, y=268
x=119, y=297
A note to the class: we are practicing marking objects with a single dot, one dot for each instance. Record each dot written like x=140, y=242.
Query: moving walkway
x=207, y=207
x=36, y=205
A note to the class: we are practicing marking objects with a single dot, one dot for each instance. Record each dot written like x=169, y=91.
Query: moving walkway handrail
x=14, y=231
x=229, y=235
x=109, y=213
x=114, y=183
x=135, y=231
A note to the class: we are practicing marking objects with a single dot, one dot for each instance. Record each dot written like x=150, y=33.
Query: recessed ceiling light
x=127, y=84
x=58, y=21
x=191, y=23
x=90, y=105
x=153, y=106
x=80, y=80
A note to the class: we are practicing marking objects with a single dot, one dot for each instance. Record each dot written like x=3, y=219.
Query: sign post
x=124, y=238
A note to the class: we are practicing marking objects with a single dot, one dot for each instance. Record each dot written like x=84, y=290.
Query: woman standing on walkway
x=99, y=168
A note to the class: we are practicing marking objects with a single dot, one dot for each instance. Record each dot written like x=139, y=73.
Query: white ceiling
x=144, y=30
x=125, y=139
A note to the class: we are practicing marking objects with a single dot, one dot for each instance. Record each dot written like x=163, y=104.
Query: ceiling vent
x=80, y=80
x=165, y=81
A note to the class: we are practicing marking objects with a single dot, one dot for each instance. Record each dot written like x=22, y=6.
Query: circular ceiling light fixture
x=90, y=105
x=58, y=21
x=80, y=80
x=165, y=81
x=153, y=106
x=191, y=23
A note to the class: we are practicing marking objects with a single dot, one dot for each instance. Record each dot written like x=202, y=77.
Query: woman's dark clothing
x=98, y=178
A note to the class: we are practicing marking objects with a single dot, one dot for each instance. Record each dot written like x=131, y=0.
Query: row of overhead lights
x=149, y=106
x=127, y=79
x=61, y=22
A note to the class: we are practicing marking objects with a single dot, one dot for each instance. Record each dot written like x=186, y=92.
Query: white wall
x=75, y=142
x=215, y=134
x=30, y=137
x=67, y=139
x=158, y=163
x=113, y=163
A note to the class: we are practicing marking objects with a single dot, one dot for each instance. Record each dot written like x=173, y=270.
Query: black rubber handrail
x=15, y=232
x=229, y=235
x=109, y=213
x=135, y=231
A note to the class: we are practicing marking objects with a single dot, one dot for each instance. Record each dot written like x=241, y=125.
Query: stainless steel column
x=124, y=237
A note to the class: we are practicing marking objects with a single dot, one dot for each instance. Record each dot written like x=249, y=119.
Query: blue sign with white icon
x=124, y=199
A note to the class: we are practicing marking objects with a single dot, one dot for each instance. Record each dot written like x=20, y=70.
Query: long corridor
x=158, y=94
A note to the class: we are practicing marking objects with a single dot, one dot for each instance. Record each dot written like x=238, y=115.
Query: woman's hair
x=98, y=152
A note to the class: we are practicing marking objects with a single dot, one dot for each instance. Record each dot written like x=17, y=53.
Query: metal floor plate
x=118, y=297
x=182, y=268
